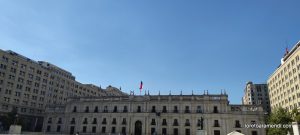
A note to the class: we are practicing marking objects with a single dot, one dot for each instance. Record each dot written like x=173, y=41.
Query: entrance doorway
x=138, y=128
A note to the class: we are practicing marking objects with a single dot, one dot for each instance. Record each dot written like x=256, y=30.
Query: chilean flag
x=141, y=86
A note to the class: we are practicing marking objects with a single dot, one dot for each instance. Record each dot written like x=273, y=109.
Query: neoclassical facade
x=149, y=114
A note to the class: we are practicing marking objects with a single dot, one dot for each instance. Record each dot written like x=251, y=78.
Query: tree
x=279, y=116
x=295, y=115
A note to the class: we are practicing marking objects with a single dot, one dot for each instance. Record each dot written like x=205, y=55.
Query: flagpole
x=141, y=87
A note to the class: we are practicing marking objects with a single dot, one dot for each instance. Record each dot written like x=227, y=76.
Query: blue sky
x=171, y=45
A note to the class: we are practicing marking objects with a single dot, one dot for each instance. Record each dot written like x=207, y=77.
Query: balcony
x=153, y=123
x=85, y=122
x=199, y=111
x=216, y=125
x=153, y=111
x=104, y=122
x=114, y=122
x=94, y=122
x=96, y=110
x=237, y=125
x=175, y=124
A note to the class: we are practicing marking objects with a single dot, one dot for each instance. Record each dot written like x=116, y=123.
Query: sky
x=170, y=45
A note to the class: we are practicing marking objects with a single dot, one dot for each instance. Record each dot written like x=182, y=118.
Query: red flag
x=141, y=86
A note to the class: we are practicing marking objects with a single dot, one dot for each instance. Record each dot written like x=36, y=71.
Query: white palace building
x=152, y=114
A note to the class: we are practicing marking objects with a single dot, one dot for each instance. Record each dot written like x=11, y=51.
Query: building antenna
x=286, y=45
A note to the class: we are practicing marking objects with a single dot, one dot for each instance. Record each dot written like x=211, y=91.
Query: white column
x=295, y=128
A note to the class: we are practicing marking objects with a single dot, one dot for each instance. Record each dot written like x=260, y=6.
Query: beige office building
x=28, y=86
x=150, y=114
x=284, y=83
x=257, y=94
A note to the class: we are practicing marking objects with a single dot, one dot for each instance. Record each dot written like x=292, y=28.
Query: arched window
x=73, y=121
x=49, y=120
x=74, y=109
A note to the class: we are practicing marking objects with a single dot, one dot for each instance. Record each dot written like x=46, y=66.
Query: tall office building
x=257, y=94
x=28, y=86
x=284, y=83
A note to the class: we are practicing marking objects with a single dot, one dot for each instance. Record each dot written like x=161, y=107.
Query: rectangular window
x=216, y=123
x=72, y=130
x=153, y=122
x=152, y=131
x=187, y=109
x=199, y=110
x=103, y=129
x=115, y=109
x=175, y=123
x=124, y=121
x=164, y=109
x=175, y=131
x=125, y=109
x=254, y=133
x=164, y=131
x=94, y=130
x=175, y=109
x=153, y=109
x=187, y=132
x=84, y=129
x=217, y=132
x=215, y=109
x=114, y=121
x=58, y=129
x=48, y=128
x=237, y=124
x=123, y=130
x=164, y=123
x=113, y=130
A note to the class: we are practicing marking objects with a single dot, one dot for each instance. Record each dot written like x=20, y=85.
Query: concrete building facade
x=148, y=114
x=284, y=83
x=28, y=86
x=257, y=94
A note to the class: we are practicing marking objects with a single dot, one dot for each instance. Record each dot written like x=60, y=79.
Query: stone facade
x=148, y=114
x=257, y=94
